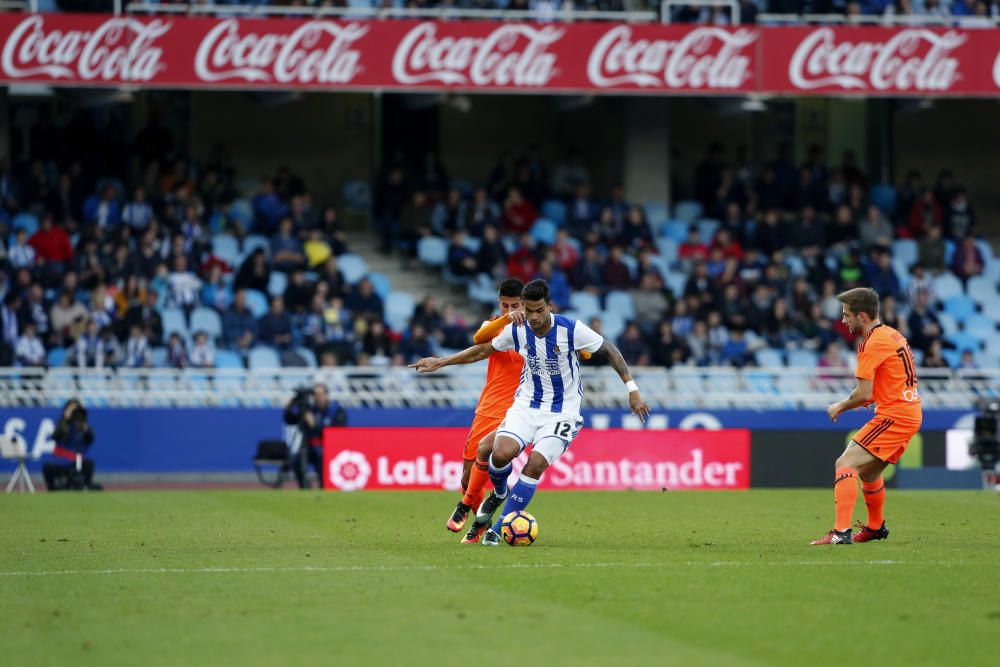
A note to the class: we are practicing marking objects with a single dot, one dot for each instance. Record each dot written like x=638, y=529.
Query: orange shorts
x=886, y=438
x=481, y=427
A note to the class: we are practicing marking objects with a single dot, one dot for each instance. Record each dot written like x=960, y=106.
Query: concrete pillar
x=647, y=150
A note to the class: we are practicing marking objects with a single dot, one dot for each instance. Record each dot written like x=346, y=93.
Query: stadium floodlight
x=13, y=449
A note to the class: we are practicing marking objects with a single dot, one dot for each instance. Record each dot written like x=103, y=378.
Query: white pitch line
x=466, y=566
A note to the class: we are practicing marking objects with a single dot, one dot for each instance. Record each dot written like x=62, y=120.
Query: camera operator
x=67, y=467
x=985, y=443
x=311, y=411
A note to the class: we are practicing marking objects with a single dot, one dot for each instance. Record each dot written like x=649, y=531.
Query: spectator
x=481, y=213
x=68, y=317
x=138, y=214
x=558, y=285
x=87, y=350
x=29, y=350
x=449, y=215
x=111, y=349
x=881, y=276
x=923, y=323
x=103, y=210
x=275, y=327
x=202, y=352
x=736, y=350
x=35, y=309
x=650, y=302
x=364, y=302
x=692, y=250
x=682, y=322
x=177, y=356
x=668, y=350
x=239, y=328
x=588, y=274
x=491, y=258
x=52, y=246
x=564, y=249
x=968, y=260
x=21, y=254
x=461, y=261
x=415, y=221
x=960, y=219
x=416, y=346
x=267, y=207
x=518, y=214
x=137, y=350
x=933, y=357
x=833, y=357
x=632, y=346
x=636, y=233
x=183, y=286
x=569, y=173
x=924, y=214
x=523, y=264
x=617, y=275
x=875, y=230
x=932, y=249
x=254, y=273
x=286, y=249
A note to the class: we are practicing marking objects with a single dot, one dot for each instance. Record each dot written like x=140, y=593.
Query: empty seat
x=620, y=303
x=668, y=249
x=353, y=267
x=688, y=211
x=399, y=309
x=207, y=320
x=946, y=286
x=585, y=304
x=226, y=248
x=277, y=283
x=657, y=215
x=884, y=196
x=802, y=359
x=254, y=242
x=554, y=210
x=960, y=307
x=707, y=229
x=174, y=322
x=228, y=359
x=432, y=250
x=905, y=251
x=381, y=284
x=263, y=358
x=676, y=230
x=767, y=357
x=544, y=231
x=256, y=303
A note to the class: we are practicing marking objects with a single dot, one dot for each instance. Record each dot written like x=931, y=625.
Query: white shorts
x=551, y=432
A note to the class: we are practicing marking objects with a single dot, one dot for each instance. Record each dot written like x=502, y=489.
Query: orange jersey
x=503, y=374
x=884, y=357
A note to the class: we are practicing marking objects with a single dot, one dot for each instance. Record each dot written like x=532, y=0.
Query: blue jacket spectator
x=239, y=328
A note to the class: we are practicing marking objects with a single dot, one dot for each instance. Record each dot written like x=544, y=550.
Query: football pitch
x=296, y=578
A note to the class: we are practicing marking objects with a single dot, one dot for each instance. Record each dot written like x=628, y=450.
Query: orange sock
x=875, y=500
x=478, y=476
x=845, y=493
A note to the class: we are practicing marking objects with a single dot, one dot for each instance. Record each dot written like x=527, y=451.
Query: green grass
x=268, y=578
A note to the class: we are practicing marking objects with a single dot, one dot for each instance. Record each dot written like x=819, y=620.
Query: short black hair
x=536, y=290
x=511, y=287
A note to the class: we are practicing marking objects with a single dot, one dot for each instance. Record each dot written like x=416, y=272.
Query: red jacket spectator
x=518, y=213
x=693, y=249
x=924, y=213
x=523, y=264
x=51, y=243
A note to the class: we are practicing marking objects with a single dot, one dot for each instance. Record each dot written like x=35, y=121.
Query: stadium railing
x=459, y=387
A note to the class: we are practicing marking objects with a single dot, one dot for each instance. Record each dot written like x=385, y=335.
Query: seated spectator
x=147, y=316
x=137, y=351
x=183, y=286
x=363, y=302
x=239, y=328
x=275, y=327
x=138, y=214
x=103, y=210
x=298, y=292
x=202, y=352
x=933, y=358
x=87, y=351
x=874, y=229
x=769, y=236
x=881, y=276
x=889, y=315
x=566, y=255
x=29, y=350
x=68, y=317
x=924, y=214
x=833, y=357
x=588, y=274
x=968, y=260
x=931, y=250
x=377, y=342
x=415, y=346
x=960, y=219
x=177, y=356
x=254, y=273
x=523, y=264
x=415, y=221
x=809, y=234
x=692, y=250
x=968, y=360
x=286, y=249
x=480, y=213
x=607, y=230
x=632, y=346
x=843, y=230
x=617, y=275
x=736, y=350
x=333, y=278
x=20, y=255
x=698, y=344
x=454, y=331
x=461, y=261
x=111, y=349
x=518, y=213
x=51, y=244
x=668, y=350
x=636, y=233
x=267, y=207
x=491, y=258
x=215, y=292
x=35, y=309
x=316, y=248
x=650, y=302
x=923, y=323
x=449, y=215
x=558, y=285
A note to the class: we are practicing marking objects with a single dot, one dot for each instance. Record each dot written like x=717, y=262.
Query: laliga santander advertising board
x=321, y=54
x=616, y=459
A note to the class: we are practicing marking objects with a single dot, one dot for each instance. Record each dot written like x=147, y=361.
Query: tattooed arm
x=617, y=362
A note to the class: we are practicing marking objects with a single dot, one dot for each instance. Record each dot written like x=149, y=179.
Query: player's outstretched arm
x=617, y=362
x=861, y=396
x=467, y=356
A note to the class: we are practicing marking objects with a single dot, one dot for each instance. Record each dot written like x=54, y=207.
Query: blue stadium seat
x=980, y=327
x=482, y=290
x=657, y=215
x=632, y=263
x=802, y=359
x=947, y=322
x=242, y=211
x=277, y=283
x=688, y=211
x=308, y=355
x=952, y=357
x=707, y=229
x=963, y=341
x=949, y=251
x=981, y=289
x=56, y=357
x=25, y=221
x=668, y=249
x=399, y=309
x=620, y=303
x=228, y=359
x=174, y=322
x=585, y=304
x=554, y=210
x=256, y=303
x=884, y=196
x=381, y=284
x=796, y=265
x=767, y=357
x=544, y=231
x=676, y=230
x=158, y=357
x=207, y=320
x=905, y=251
x=263, y=358
x=959, y=307
x=473, y=243
x=353, y=267
x=676, y=281
x=612, y=325
x=253, y=242
x=946, y=286
x=432, y=250
x=661, y=265
x=226, y=248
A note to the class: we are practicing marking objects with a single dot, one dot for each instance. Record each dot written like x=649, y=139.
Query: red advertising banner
x=192, y=52
x=616, y=459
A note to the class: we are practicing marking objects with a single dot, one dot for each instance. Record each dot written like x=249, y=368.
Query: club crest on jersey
x=556, y=349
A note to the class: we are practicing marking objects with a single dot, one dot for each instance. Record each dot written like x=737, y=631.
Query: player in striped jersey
x=546, y=408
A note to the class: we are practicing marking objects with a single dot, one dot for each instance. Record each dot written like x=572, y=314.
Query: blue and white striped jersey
x=550, y=380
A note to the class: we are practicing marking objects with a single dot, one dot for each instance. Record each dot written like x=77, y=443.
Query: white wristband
x=631, y=386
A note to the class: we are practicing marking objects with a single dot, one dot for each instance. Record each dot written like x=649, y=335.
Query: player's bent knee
x=505, y=450
x=536, y=465
x=485, y=447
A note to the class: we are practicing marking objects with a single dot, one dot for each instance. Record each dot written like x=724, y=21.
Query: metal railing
x=459, y=387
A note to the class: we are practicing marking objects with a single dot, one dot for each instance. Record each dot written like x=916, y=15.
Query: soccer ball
x=519, y=529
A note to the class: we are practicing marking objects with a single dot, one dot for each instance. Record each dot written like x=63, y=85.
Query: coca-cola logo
x=914, y=59
x=120, y=49
x=510, y=55
x=349, y=471
x=317, y=52
x=710, y=58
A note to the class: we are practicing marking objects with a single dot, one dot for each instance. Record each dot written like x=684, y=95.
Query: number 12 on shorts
x=563, y=429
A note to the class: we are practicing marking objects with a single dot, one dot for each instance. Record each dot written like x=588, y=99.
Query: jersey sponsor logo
x=539, y=366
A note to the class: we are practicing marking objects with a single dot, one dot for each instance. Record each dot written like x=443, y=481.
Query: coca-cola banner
x=189, y=52
x=615, y=459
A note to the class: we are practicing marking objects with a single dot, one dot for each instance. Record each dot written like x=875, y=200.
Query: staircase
x=416, y=279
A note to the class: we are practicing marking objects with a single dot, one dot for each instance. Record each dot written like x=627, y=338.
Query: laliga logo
x=116, y=49
x=349, y=471
x=819, y=61
x=301, y=57
x=488, y=61
x=703, y=58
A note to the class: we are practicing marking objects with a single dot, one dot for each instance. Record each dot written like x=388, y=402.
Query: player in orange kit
x=887, y=377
